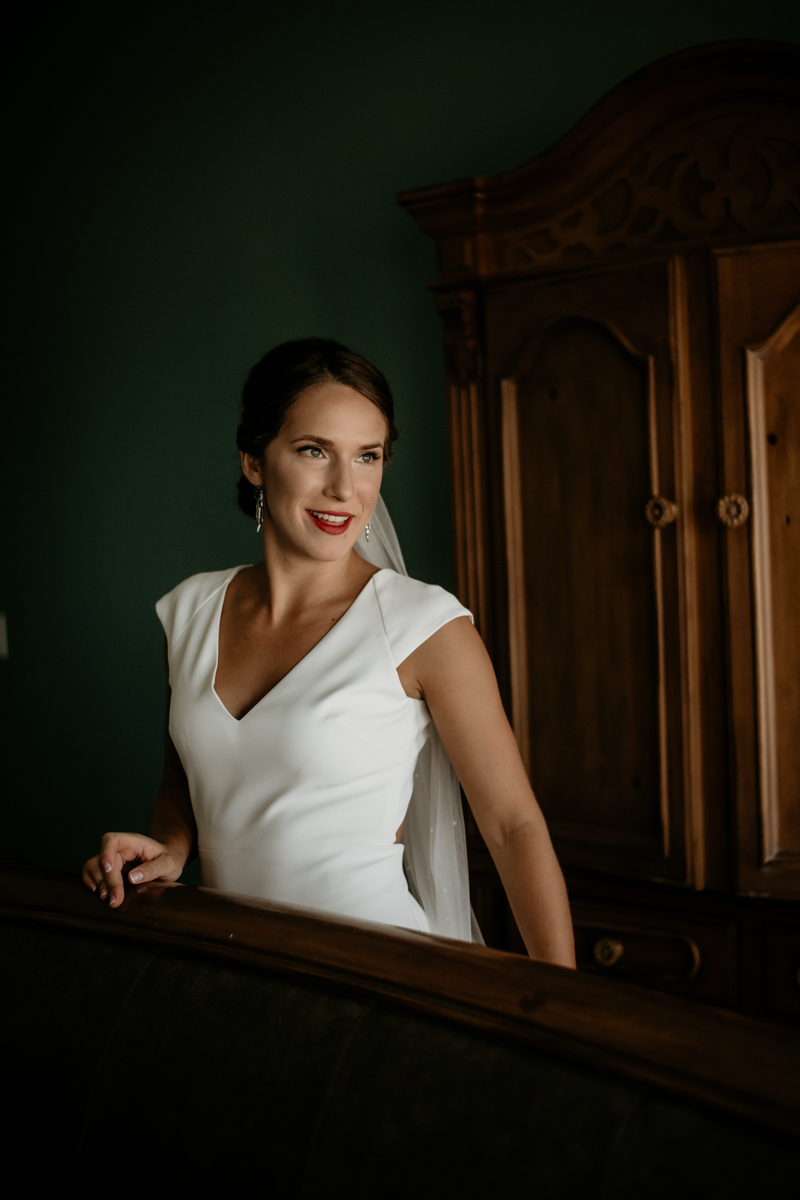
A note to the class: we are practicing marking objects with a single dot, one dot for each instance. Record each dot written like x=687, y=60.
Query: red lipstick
x=337, y=525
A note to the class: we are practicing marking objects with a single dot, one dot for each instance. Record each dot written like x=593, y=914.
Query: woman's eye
x=369, y=457
x=313, y=451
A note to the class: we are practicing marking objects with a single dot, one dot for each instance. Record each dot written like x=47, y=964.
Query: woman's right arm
x=162, y=855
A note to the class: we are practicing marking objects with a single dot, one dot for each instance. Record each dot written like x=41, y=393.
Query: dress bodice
x=299, y=801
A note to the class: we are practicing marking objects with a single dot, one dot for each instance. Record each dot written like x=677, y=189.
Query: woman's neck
x=290, y=582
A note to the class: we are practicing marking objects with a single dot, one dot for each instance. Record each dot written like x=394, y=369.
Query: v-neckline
x=291, y=671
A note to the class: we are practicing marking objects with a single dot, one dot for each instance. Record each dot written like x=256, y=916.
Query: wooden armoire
x=621, y=321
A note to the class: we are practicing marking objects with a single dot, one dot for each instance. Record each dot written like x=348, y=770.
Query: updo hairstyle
x=282, y=375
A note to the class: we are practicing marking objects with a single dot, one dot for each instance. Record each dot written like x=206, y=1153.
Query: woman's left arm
x=454, y=675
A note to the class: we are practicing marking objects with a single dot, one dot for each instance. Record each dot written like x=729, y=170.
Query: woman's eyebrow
x=321, y=441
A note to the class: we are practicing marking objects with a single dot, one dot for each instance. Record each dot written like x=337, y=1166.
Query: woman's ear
x=251, y=468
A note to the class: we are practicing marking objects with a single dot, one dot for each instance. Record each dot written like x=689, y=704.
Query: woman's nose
x=339, y=484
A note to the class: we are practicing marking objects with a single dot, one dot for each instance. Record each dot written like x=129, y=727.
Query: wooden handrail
x=732, y=1062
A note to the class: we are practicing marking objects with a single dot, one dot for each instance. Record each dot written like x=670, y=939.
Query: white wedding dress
x=299, y=801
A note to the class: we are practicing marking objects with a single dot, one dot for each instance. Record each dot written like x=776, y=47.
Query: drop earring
x=259, y=509
x=366, y=531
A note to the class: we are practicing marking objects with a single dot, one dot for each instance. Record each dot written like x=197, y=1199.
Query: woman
x=301, y=693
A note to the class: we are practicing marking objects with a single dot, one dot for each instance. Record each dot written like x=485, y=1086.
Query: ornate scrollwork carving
x=729, y=172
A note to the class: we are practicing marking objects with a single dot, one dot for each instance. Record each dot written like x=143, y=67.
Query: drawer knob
x=733, y=510
x=608, y=951
x=660, y=512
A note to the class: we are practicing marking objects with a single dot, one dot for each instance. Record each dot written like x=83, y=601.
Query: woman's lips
x=330, y=522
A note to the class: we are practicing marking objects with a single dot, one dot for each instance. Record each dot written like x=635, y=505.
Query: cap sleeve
x=413, y=611
x=176, y=609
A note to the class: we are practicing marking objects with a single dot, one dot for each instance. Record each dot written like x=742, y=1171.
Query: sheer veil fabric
x=435, y=845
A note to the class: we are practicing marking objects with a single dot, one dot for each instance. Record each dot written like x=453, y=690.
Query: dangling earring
x=366, y=531
x=259, y=509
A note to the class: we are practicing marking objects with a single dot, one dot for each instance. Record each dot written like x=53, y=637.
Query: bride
x=317, y=699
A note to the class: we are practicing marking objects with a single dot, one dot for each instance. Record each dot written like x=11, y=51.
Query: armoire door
x=759, y=346
x=584, y=379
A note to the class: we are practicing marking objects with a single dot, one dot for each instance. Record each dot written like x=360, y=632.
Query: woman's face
x=322, y=474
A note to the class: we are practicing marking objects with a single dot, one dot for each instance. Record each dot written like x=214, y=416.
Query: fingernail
x=112, y=901
x=136, y=876
x=103, y=893
x=106, y=865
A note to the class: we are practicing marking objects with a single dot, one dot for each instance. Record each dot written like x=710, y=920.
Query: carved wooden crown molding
x=702, y=146
x=725, y=175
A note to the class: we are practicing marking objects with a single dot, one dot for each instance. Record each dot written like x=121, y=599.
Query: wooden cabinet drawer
x=673, y=952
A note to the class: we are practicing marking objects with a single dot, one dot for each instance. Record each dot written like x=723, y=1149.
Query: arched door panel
x=582, y=379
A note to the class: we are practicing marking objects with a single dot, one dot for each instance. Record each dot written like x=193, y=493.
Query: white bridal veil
x=433, y=836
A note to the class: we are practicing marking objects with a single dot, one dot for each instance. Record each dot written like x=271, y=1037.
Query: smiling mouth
x=330, y=522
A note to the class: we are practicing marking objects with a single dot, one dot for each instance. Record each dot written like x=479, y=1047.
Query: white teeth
x=331, y=520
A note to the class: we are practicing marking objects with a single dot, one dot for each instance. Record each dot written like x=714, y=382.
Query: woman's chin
x=314, y=543
x=325, y=548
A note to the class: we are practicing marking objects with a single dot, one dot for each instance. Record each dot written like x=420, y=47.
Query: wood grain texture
x=515, y=557
x=773, y=395
x=459, y=313
x=689, y=603
x=717, y=1057
x=592, y=607
x=587, y=360
x=738, y=968
x=758, y=292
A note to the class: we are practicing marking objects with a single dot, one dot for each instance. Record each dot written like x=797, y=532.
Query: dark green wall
x=192, y=183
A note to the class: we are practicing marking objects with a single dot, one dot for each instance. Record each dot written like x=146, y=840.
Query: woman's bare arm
x=454, y=675
x=170, y=845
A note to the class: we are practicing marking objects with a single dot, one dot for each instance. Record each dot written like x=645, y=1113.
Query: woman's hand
x=155, y=860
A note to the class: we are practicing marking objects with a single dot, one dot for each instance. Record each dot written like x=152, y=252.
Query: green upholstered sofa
x=190, y=1044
